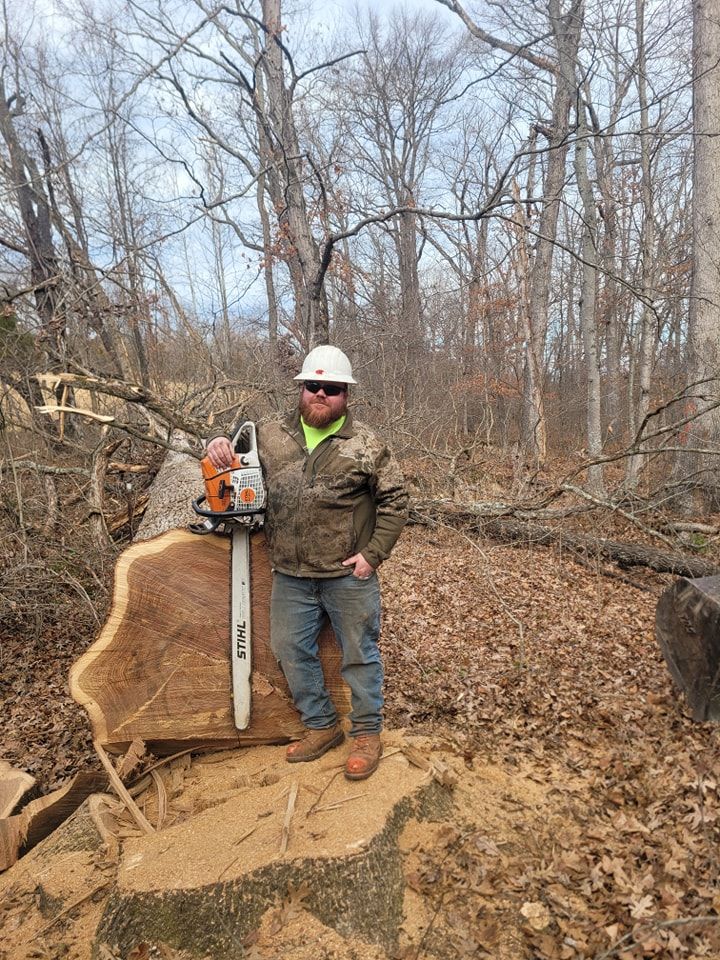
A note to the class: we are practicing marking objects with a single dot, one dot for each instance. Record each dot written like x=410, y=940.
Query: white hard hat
x=327, y=364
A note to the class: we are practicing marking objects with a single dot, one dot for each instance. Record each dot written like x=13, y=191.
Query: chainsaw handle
x=220, y=515
x=246, y=427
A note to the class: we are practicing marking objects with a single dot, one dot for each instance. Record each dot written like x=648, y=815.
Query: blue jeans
x=298, y=607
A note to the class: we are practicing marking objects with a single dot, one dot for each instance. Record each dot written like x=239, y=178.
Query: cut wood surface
x=40, y=817
x=687, y=627
x=160, y=669
x=14, y=784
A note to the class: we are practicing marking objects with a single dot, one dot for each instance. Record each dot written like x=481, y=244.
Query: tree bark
x=566, y=31
x=285, y=144
x=704, y=335
x=687, y=627
x=646, y=353
x=588, y=318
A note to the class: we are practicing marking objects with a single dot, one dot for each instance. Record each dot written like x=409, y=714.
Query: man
x=336, y=505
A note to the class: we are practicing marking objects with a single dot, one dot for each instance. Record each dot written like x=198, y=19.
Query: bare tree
x=704, y=333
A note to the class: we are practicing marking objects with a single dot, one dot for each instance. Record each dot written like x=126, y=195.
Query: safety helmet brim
x=327, y=376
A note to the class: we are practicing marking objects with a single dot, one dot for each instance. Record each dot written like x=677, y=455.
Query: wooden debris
x=288, y=817
x=121, y=791
x=14, y=784
x=40, y=817
x=162, y=798
x=440, y=771
x=132, y=759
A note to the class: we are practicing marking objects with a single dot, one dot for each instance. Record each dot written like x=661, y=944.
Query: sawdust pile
x=226, y=815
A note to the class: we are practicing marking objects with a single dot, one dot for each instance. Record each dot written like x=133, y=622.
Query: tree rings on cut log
x=160, y=669
x=687, y=627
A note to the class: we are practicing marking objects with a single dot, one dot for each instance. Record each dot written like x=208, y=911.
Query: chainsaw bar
x=240, y=624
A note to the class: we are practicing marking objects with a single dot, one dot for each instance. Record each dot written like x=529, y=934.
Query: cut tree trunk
x=14, y=784
x=40, y=817
x=160, y=669
x=687, y=627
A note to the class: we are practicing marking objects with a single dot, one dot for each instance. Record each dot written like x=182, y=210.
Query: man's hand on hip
x=220, y=453
x=363, y=570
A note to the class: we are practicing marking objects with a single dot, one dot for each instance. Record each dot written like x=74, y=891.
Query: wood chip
x=121, y=791
x=132, y=759
x=288, y=817
x=162, y=798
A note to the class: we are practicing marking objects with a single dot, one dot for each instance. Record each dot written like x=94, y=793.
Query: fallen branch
x=525, y=533
x=130, y=393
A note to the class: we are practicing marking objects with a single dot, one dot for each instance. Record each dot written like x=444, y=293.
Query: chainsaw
x=234, y=499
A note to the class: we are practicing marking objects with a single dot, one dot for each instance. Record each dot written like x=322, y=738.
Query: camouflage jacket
x=346, y=497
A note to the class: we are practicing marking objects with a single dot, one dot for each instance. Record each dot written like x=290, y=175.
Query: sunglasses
x=329, y=389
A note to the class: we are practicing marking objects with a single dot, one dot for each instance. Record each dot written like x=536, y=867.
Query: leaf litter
x=529, y=669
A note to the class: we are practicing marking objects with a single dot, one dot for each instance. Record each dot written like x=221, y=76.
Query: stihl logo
x=241, y=640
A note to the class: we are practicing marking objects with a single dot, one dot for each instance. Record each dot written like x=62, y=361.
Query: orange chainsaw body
x=219, y=486
x=235, y=494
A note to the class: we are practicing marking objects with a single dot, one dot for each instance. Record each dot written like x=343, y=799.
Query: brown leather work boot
x=364, y=756
x=314, y=743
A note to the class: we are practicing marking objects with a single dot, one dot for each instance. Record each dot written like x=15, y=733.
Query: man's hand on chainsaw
x=220, y=453
x=363, y=570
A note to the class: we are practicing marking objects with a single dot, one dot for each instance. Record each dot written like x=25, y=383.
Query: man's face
x=317, y=408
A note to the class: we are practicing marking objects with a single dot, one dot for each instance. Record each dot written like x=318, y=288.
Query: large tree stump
x=279, y=832
x=687, y=627
x=242, y=834
x=160, y=668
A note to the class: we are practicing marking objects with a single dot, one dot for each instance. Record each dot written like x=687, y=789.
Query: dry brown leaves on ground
x=527, y=661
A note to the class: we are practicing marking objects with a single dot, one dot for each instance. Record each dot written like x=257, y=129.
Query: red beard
x=318, y=412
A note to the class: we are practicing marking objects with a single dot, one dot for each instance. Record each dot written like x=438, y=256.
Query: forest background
x=508, y=215
x=489, y=210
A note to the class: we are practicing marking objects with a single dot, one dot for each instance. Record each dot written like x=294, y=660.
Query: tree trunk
x=647, y=242
x=286, y=148
x=588, y=319
x=566, y=32
x=704, y=331
x=160, y=669
x=687, y=627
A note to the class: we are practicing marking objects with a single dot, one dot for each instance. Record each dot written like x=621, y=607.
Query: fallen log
x=525, y=533
x=687, y=628
x=159, y=670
